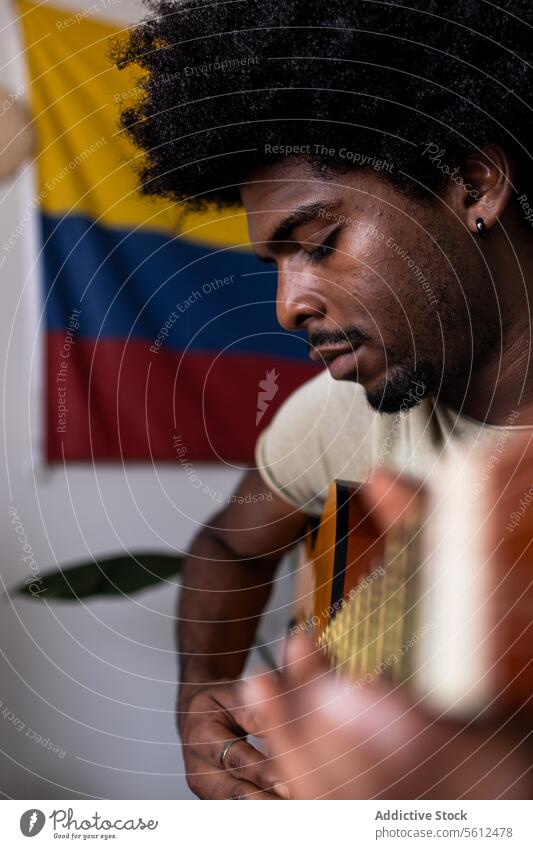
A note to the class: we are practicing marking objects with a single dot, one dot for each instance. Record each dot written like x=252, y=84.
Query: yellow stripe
x=84, y=163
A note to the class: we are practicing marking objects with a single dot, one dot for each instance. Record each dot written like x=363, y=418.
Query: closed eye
x=322, y=251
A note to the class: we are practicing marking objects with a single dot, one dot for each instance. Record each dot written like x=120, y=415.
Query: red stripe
x=123, y=401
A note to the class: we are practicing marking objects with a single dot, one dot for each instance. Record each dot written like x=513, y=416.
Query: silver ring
x=226, y=749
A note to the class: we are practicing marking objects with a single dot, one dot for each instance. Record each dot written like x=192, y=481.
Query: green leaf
x=108, y=576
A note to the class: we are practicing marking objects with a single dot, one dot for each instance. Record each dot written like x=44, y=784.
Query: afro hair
x=228, y=87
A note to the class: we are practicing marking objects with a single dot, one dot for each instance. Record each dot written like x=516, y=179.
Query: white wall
x=98, y=680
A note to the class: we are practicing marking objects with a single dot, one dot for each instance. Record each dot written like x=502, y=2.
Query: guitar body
x=338, y=553
x=422, y=589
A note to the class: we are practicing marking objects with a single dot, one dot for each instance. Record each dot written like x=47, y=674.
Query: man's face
x=390, y=289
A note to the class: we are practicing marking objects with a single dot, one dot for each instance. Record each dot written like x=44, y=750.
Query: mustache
x=342, y=336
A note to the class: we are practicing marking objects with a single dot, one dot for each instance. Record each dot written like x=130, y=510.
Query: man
x=381, y=153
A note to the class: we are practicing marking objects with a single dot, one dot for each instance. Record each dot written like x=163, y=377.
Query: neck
x=503, y=385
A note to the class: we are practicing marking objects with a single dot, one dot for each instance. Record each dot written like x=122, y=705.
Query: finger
x=307, y=734
x=311, y=724
x=223, y=706
x=305, y=663
x=239, y=716
x=223, y=718
x=274, y=701
x=248, y=763
x=230, y=788
x=283, y=734
x=352, y=738
x=388, y=496
x=261, y=693
x=245, y=763
x=382, y=717
x=211, y=783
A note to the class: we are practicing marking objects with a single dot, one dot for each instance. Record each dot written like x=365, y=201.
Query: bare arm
x=226, y=584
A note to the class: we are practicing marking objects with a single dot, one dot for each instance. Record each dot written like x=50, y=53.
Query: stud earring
x=481, y=228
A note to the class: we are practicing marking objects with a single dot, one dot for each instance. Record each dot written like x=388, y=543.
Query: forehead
x=272, y=191
x=282, y=182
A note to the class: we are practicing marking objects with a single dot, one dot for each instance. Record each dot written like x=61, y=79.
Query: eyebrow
x=301, y=215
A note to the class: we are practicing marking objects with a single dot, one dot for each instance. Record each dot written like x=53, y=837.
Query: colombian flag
x=160, y=325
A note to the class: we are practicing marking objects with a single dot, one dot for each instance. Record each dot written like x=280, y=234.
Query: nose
x=298, y=298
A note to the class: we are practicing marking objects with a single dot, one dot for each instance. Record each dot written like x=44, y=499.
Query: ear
x=482, y=187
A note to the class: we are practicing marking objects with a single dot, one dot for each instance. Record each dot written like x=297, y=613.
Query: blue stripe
x=132, y=283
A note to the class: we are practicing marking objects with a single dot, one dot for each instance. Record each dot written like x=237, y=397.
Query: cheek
x=407, y=270
x=369, y=258
x=383, y=274
x=358, y=268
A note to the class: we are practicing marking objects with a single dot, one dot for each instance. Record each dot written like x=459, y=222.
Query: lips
x=341, y=362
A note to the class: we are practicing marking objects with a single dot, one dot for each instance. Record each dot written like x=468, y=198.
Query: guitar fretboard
x=372, y=633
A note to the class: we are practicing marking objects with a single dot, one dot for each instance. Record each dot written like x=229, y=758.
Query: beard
x=405, y=387
x=447, y=352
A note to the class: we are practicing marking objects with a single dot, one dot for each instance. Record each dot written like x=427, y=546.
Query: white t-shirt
x=327, y=430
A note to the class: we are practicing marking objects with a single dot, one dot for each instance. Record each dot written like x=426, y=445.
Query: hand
x=210, y=716
x=330, y=740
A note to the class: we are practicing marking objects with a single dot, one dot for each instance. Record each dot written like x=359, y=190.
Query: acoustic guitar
x=430, y=586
